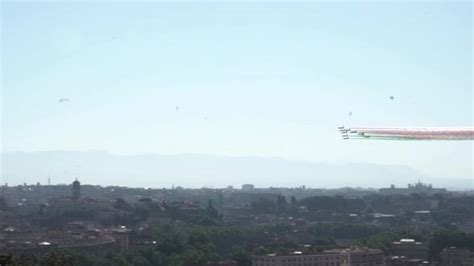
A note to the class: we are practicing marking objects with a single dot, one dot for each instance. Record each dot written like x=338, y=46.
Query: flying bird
x=391, y=97
x=62, y=100
x=350, y=113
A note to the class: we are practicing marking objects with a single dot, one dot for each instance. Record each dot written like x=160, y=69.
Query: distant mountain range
x=200, y=170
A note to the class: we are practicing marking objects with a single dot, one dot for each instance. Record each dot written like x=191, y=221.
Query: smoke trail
x=407, y=133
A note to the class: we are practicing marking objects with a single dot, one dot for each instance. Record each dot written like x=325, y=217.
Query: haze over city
x=246, y=133
x=238, y=79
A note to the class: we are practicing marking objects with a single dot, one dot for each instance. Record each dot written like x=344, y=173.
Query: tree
x=450, y=238
x=220, y=199
x=140, y=261
x=294, y=202
x=121, y=204
x=211, y=211
x=241, y=255
x=326, y=203
x=382, y=241
x=146, y=200
x=294, y=206
x=263, y=205
x=282, y=204
x=3, y=204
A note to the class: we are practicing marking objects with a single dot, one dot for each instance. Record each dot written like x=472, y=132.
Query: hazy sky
x=269, y=79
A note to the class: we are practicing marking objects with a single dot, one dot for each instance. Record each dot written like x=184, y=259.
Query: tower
x=76, y=190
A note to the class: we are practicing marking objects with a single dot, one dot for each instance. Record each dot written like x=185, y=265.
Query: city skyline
x=204, y=170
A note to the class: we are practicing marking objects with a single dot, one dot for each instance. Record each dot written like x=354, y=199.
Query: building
x=299, y=259
x=336, y=257
x=247, y=187
x=76, y=190
x=74, y=236
x=410, y=249
x=223, y=263
x=412, y=188
x=403, y=261
x=365, y=257
x=121, y=235
x=457, y=257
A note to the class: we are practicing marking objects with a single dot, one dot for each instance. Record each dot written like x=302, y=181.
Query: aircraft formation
x=367, y=133
x=381, y=133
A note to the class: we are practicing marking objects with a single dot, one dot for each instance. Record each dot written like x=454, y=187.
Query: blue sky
x=268, y=79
